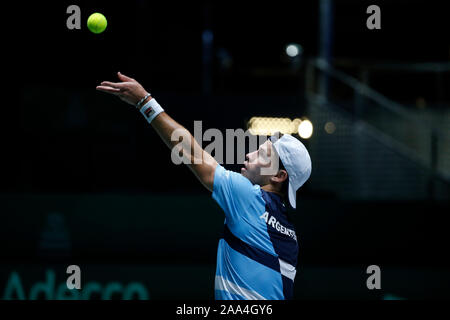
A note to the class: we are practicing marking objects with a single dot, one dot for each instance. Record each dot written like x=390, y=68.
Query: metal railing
x=320, y=77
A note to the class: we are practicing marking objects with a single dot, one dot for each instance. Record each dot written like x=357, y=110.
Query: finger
x=108, y=89
x=113, y=84
x=124, y=77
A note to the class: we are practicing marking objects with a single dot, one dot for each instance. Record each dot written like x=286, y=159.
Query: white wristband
x=151, y=109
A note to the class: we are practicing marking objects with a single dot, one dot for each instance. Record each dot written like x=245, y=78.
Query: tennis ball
x=97, y=23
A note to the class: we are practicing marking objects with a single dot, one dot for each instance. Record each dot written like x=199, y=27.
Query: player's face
x=255, y=161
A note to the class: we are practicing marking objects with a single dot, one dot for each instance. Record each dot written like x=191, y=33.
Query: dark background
x=83, y=169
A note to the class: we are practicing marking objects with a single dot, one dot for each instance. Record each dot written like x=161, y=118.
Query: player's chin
x=244, y=172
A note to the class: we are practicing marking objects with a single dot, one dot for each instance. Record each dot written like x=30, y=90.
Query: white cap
x=297, y=162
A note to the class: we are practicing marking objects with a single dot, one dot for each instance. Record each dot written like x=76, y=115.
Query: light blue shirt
x=257, y=254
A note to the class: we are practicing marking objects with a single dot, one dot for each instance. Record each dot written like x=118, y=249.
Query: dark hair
x=285, y=186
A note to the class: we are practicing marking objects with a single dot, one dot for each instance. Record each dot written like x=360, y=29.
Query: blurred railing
x=390, y=123
x=407, y=74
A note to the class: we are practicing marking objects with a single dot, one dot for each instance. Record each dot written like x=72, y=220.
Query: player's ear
x=280, y=177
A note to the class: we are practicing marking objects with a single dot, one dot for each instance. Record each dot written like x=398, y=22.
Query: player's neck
x=271, y=188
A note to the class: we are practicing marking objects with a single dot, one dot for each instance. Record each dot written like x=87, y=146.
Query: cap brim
x=292, y=195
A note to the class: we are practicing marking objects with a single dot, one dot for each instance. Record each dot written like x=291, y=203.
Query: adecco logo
x=91, y=290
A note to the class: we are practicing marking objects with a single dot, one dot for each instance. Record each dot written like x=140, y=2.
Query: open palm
x=129, y=90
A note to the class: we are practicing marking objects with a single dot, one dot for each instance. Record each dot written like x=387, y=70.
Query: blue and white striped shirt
x=257, y=254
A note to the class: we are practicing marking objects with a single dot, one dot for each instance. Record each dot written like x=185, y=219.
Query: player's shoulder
x=236, y=180
x=232, y=176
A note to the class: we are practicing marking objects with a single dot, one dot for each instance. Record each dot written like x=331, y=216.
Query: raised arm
x=201, y=163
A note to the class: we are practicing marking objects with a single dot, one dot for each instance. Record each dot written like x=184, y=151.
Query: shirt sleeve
x=234, y=193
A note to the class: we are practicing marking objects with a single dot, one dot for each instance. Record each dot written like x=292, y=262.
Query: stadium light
x=293, y=50
x=305, y=129
x=269, y=125
x=330, y=127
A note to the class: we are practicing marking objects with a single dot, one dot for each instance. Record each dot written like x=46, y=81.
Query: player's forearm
x=165, y=126
x=181, y=142
x=175, y=136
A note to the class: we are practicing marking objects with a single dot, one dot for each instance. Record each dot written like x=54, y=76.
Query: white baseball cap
x=296, y=160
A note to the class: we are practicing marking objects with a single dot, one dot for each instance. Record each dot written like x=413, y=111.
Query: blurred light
x=305, y=129
x=295, y=123
x=268, y=126
x=293, y=50
x=207, y=36
x=330, y=127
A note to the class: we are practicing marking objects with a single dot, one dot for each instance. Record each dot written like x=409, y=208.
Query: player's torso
x=257, y=255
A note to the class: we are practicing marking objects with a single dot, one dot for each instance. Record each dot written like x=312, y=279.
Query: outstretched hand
x=129, y=90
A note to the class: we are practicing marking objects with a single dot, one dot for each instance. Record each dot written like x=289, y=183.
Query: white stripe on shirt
x=287, y=269
x=225, y=285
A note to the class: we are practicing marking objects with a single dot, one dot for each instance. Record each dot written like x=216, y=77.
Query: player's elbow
x=205, y=174
x=208, y=184
x=208, y=178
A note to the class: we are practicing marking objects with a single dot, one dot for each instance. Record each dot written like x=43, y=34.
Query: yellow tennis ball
x=97, y=23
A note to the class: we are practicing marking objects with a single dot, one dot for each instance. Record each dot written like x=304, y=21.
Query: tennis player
x=257, y=254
